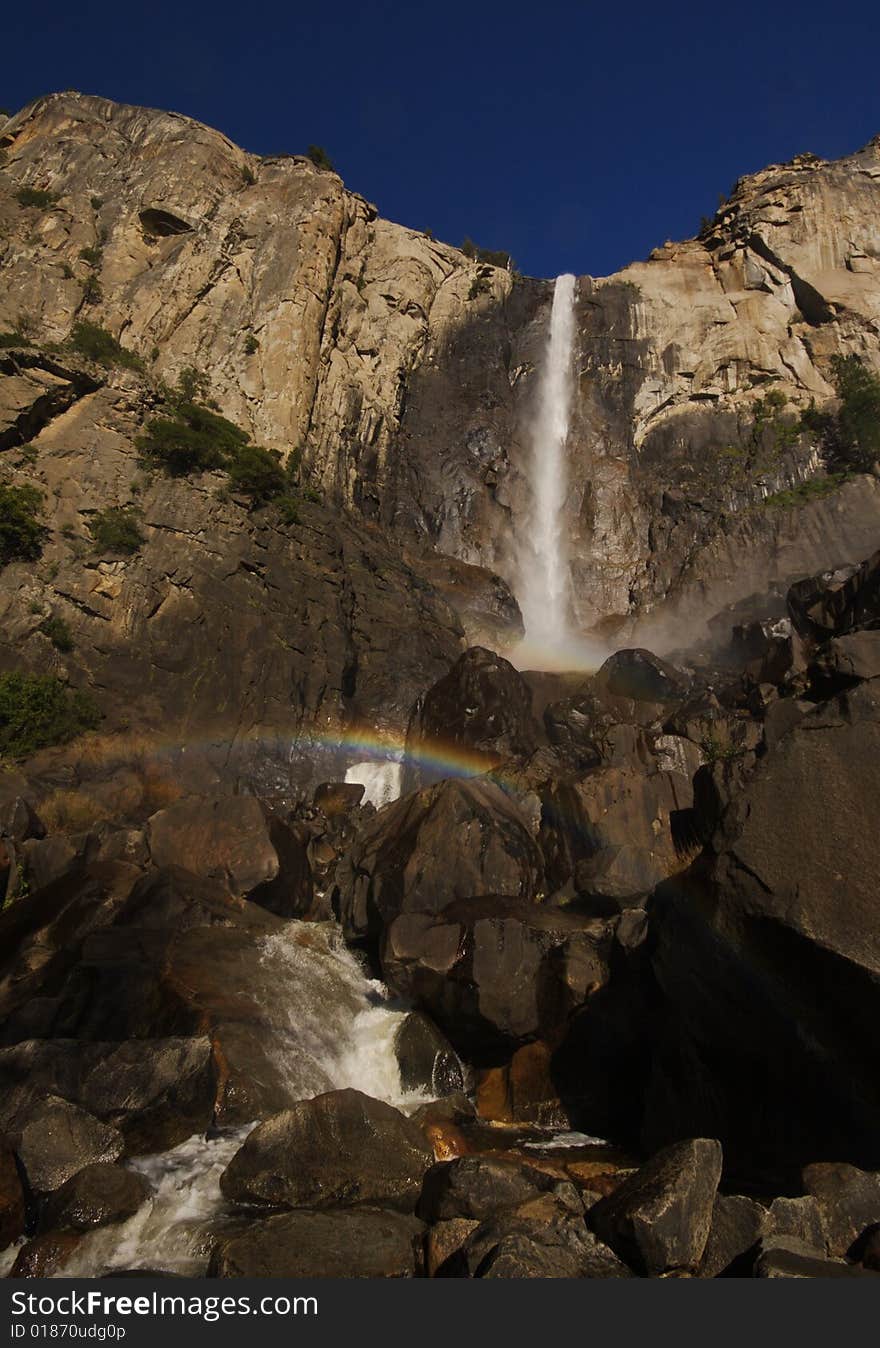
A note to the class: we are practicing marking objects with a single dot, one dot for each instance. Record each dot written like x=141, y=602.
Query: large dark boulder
x=496, y=972
x=483, y=705
x=452, y=841
x=659, y=1219
x=835, y=602
x=12, y=1197
x=738, y=1223
x=155, y=1093
x=341, y=1149
x=428, y=1063
x=640, y=676
x=97, y=1195
x=477, y=1187
x=323, y=1245
x=848, y=1200
x=236, y=840
x=745, y=1049
x=55, y=1140
x=530, y=1243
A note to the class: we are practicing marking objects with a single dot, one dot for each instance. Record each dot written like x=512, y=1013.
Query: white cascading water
x=335, y=1030
x=543, y=555
x=381, y=781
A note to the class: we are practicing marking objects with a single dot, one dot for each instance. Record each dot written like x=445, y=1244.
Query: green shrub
x=192, y=385
x=192, y=440
x=96, y=343
x=496, y=258
x=811, y=490
x=58, y=632
x=251, y=345
x=33, y=196
x=288, y=509
x=67, y=271
x=97, y=203
x=116, y=530
x=257, y=473
x=92, y=255
x=37, y=710
x=21, y=530
x=248, y=177
x=91, y=288
x=320, y=158
x=850, y=437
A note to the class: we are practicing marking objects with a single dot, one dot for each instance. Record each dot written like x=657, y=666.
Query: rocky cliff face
x=403, y=372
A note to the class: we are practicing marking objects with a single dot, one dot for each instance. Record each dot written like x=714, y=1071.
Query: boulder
x=323, y=1245
x=97, y=1195
x=18, y=817
x=12, y=1197
x=613, y=832
x=495, y=972
x=516, y=1245
x=844, y=661
x=743, y=1047
x=798, y=1217
x=155, y=1093
x=443, y=1240
x=659, y=1218
x=477, y=1187
x=523, y=1090
x=428, y=1063
x=402, y=861
x=835, y=602
x=848, y=1200
x=788, y=1257
x=640, y=676
x=737, y=1225
x=57, y=1140
x=482, y=705
x=236, y=840
x=341, y=1149
x=45, y=1256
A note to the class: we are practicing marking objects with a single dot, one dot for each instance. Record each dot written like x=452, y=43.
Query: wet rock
x=848, y=1200
x=522, y=1091
x=234, y=839
x=12, y=1198
x=482, y=704
x=476, y=1187
x=336, y=800
x=844, y=661
x=58, y=1139
x=97, y=1195
x=660, y=1217
x=402, y=861
x=342, y=1149
x=428, y=1062
x=494, y=972
x=323, y=1245
x=156, y=1093
x=45, y=1256
x=737, y=1225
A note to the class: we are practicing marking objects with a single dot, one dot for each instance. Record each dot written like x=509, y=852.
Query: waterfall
x=543, y=555
x=381, y=781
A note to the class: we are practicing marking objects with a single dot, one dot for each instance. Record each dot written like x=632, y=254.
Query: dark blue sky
x=577, y=136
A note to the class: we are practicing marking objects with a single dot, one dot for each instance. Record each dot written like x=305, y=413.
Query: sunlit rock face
x=406, y=374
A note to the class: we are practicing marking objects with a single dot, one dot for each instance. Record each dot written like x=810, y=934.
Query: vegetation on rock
x=116, y=530
x=849, y=436
x=58, y=632
x=494, y=258
x=38, y=710
x=34, y=196
x=96, y=343
x=320, y=158
x=21, y=530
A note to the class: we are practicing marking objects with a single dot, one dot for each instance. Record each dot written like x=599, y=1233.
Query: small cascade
x=341, y=1034
x=381, y=781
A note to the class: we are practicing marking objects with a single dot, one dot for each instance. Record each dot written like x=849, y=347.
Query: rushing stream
x=341, y=1033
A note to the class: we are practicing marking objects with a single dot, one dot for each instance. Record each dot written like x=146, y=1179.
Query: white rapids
x=341, y=1034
